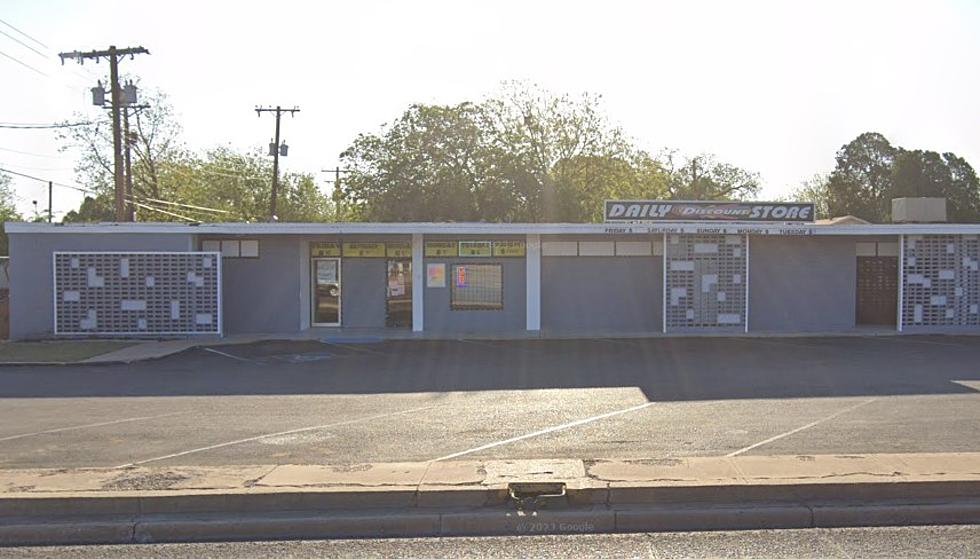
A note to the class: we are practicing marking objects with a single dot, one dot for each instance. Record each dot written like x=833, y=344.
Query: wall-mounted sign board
x=508, y=248
x=399, y=249
x=441, y=248
x=364, y=250
x=475, y=248
x=637, y=211
x=324, y=249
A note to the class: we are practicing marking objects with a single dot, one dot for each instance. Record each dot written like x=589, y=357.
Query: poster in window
x=435, y=275
x=460, y=276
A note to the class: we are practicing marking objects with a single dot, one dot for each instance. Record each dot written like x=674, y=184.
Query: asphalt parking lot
x=309, y=402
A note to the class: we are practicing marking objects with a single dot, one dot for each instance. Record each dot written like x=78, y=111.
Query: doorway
x=877, y=290
x=326, y=291
x=398, y=294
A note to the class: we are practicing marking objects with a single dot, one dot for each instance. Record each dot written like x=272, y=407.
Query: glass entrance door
x=398, y=294
x=326, y=291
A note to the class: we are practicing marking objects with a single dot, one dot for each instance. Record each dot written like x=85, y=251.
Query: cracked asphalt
x=314, y=403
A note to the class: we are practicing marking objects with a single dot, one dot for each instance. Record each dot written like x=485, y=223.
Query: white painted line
x=228, y=355
x=798, y=429
x=545, y=431
x=279, y=434
x=89, y=425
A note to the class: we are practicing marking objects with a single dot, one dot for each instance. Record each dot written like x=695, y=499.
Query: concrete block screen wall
x=137, y=293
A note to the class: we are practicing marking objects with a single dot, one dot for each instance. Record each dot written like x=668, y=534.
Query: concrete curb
x=495, y=521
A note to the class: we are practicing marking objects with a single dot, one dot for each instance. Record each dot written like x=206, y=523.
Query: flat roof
x=478, y=228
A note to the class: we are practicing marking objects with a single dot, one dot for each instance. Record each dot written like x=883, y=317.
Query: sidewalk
x=472, y=498
x=142, y=351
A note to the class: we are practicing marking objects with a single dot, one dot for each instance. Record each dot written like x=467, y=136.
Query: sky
x=774, y=87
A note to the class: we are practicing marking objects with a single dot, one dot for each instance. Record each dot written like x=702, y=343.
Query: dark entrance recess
x=398, y=294
x=877, y=290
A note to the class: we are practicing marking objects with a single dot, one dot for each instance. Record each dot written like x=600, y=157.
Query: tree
x=870, y=172
x=522, y=155
x=172, y=183
x=861, y=183
x=814, y=190
x=8, y=211
x=155, y=140
x=702, y=177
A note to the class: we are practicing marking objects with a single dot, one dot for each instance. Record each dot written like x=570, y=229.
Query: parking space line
x=89, y=425
x=228, y=355
x=546, y=431
x=278, y=434
x=910, y=339
x=798, y=429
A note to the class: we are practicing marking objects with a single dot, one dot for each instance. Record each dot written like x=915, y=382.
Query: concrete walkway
x=156, y=349
x=602, y=481
x=127, y=505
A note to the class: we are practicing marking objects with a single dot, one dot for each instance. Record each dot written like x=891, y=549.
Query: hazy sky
x=775, y=87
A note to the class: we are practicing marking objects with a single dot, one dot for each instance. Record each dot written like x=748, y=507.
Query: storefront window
x=477, y=287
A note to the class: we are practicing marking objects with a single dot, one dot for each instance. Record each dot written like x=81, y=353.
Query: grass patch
x=61, y=351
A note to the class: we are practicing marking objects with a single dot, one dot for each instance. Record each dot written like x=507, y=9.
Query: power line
x=31, y=153
x=61, y=184
x=23, y=44
x=114, y=55
x=24, y=64
x=13, y=126
x=24, y=34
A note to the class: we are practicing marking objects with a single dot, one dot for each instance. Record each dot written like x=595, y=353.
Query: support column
x=901, y=282
x=533, y=260
x=747, y=280
x=418, y=282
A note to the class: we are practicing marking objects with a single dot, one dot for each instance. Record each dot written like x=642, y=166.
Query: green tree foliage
x=814, y=190
x=870, y=172
x=522, y=155
x=173, y=183
x=8, y=210
x=701, y=177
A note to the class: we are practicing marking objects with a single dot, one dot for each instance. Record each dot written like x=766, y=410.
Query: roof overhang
x=360, y=228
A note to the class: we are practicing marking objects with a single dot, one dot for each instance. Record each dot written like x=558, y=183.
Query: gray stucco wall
x=802, y=284
x=31, y=275
x=602, y=294
x=261, y=295
x=363, y=292
x=439, y=317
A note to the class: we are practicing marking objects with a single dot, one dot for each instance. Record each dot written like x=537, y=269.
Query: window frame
x=454, y=306
x=237, y=254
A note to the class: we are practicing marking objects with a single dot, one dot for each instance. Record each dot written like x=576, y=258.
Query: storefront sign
x=324, y=249
x=435, y=275
x=508, y=248
x=440, y=248
x=475, y=248
x=665, y=210
x=364, y=250
x=399, y=249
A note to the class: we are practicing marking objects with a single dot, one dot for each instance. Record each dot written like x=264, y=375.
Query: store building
x=647, y=270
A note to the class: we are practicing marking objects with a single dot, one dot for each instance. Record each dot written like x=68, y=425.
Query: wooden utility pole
x=275, y=149
x=113, y=55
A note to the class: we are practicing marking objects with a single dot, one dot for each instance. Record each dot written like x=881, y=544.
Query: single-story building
x=627, y=276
